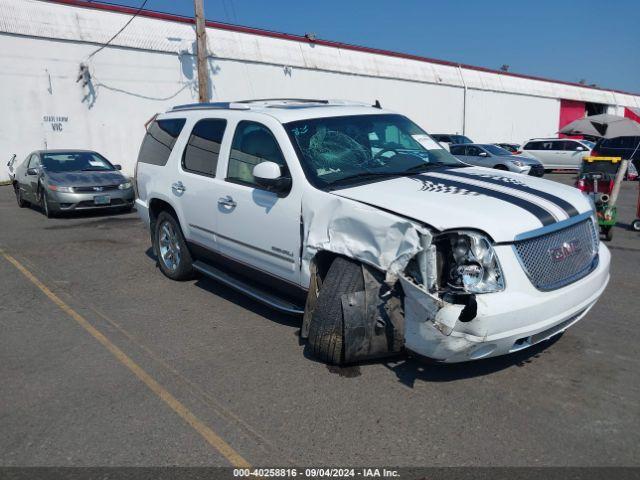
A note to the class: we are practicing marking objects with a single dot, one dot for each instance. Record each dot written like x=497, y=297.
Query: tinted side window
x=555, y=146
x=456, y=150
x=572, y=146
x=252, y=144
x=533, y=146
x=34, y=161
x=203, y=148
x=159, y=141
x=473, y=151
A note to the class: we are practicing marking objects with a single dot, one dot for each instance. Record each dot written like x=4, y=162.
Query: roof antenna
x=377, y=104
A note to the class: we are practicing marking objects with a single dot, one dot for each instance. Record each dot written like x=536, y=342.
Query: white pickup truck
x=355, y=218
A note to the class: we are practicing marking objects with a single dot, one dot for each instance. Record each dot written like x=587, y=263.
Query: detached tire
x=174, y=258
x=326, y=332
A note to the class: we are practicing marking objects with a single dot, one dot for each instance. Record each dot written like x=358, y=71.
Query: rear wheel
x=21, y=201
x=326, y=332
x=174, y=258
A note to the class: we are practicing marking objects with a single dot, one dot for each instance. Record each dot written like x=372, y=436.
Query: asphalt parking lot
x=104, y=361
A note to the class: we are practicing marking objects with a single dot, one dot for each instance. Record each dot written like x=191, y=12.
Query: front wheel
x=326, y=331
x=21, y=201
x=500, y=167
x=174, y=258
x=635, y=225
x=44, y=203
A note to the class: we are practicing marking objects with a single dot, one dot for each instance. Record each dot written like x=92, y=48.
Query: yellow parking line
x=209, y=435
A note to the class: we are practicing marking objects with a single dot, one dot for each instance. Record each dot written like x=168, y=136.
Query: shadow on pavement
x=413, y=368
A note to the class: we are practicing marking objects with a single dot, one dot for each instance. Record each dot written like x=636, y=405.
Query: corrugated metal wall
x=151, y=67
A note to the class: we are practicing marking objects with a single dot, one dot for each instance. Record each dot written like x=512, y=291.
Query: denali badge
x=567, y=249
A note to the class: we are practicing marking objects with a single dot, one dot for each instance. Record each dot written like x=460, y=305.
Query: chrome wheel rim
x=169, y=246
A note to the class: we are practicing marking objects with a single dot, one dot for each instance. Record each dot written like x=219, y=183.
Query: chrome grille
x=559, y=258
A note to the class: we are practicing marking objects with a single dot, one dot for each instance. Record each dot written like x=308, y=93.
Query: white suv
x=354, y=217
x=558, y=153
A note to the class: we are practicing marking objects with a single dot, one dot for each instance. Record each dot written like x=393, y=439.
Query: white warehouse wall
x=49, y=109
x=507, y=117
x=150, y=67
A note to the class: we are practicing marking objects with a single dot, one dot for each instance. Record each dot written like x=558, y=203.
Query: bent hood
x=86, y=179
x=501, y=204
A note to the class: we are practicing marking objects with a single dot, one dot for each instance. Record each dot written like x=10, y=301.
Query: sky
x=595, y=41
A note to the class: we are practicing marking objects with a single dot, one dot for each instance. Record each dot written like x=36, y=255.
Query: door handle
x=178, y=187
x=227, y=201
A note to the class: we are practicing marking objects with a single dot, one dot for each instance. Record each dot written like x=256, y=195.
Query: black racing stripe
x=570, y=210
x=545, y=217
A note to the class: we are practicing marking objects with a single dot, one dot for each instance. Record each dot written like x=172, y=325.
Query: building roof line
x=327, y=43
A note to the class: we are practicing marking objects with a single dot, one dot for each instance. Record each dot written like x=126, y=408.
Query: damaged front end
x=419, y=288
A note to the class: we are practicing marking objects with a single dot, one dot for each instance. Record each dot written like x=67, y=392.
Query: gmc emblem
x=564, y=251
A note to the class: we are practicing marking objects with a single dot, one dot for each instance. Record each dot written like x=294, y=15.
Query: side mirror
x=32, y=171
x=269, y=175
x=483, y=154
x=117, y=166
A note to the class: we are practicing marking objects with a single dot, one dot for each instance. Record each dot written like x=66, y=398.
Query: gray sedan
x=68, y=180
x=492, y=156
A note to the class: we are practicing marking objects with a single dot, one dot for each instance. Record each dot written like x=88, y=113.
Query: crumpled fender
x=358, y=231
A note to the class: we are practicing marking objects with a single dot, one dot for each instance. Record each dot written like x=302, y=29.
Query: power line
x=119, y=31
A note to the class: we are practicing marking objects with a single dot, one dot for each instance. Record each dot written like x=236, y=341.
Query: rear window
x=159, y=141
x=533, y=146
x=203, y=149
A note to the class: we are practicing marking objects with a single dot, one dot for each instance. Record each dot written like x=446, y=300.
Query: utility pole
x=201, y=46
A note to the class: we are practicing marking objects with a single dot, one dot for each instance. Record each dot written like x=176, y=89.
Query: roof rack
x=210, y=106
x=293, y=100
x=265, y=102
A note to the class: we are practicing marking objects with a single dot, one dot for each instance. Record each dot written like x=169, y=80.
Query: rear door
x=258, y=227
x=195, y=188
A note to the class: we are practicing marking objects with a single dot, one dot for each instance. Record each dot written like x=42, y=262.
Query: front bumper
x=63, y=202
x=507, y=321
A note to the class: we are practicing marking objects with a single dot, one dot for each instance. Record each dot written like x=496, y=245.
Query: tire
x=44, y=203
x=635, y=225
x=22, y=203
x=174, y=258
x=500, y=167
x=326, y=332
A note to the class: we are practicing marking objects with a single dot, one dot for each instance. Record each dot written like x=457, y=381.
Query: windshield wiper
x=422, y=167
x=95, y=170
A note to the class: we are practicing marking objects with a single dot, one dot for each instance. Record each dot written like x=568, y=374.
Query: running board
x=254, y=292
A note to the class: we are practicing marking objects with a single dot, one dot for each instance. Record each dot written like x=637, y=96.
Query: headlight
x=124, y=186
x=60, y=188
x=517, y=163
x=469, y=263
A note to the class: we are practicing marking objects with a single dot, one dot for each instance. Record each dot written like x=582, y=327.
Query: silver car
x=492, y=156
x=68, y=180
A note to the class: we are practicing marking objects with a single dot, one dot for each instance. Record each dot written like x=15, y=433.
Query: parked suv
x=357, y=219
x=559, y=153
x=623, y=147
